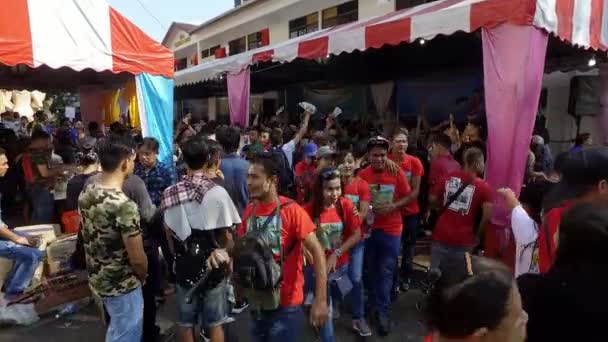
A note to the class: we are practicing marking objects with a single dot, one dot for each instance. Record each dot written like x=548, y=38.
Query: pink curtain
x=238, y=98
x=513, y=61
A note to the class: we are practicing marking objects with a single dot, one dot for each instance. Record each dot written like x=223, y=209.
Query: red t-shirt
x=295, y=227
x=455, y=225
x=551, y=222
x=358, y=191
x=305, y=180
x=441, y=167
x=412, y=167
x=332, y=232
x=386, y=188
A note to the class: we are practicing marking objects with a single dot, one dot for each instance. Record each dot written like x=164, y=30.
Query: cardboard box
x=62, y=290
x=58, y=254
x=47, y=234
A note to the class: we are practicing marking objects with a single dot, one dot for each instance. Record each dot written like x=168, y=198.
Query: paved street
x=85, y=326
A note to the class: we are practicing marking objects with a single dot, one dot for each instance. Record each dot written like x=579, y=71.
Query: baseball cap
x=310, y=150
x=325, y=151
x=580, y=172
x=377, y=141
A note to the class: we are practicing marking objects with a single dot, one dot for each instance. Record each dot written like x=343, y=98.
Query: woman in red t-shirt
x=475, y=299
x=357, y=190
x=338, y=230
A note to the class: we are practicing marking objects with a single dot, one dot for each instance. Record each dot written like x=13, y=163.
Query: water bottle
x=370, y=217
x=67, y=310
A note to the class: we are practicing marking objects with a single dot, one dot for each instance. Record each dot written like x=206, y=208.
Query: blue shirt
x=157, y=179
x=235, y=169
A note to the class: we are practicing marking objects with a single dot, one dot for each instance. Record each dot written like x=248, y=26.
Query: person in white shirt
x=525, y=233
x=290, y=147
x=199, y=216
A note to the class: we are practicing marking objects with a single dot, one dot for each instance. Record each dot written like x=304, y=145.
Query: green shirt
x=108, y=216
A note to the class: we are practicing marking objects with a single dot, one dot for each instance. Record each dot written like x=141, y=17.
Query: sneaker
x=404, y=286
x=361, y=327
x=240, y=306
x=384, y=325
x=205, y=336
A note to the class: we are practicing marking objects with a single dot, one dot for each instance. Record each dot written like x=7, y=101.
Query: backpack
x=254, y=265
x=286, y=175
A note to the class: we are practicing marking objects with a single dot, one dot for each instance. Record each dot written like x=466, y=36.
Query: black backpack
x=254, y=265
x=287, y=186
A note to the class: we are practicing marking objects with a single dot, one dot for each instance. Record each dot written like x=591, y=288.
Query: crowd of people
x=316, y=220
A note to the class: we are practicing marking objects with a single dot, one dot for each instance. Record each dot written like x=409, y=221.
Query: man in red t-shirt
x=293, y=227
x=413, y=169
x=389, y=196
x=442, y=162
x=455, y=230
x=584, y=177
x=304, y=172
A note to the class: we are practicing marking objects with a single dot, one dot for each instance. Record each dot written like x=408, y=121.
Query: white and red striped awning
x=581, y=22
x=78, y=34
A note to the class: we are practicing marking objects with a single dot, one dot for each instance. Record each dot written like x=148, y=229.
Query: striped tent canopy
x=581, y=23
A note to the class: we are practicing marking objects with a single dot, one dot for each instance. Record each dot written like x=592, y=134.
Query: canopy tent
x=570, y=20
x=514, y=34
x=88, y=43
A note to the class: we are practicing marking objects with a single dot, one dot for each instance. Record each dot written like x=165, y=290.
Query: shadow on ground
x=85, y=326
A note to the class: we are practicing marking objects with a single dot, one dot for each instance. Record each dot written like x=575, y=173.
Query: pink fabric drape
x=92, y=104
x=238, y=98
x=514, y=61
x=602, y=117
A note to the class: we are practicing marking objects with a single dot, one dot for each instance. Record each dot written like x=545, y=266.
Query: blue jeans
x=326, y=333
x=383, y=251
x=209, y=309
x=43, y=204
x=284, y=324
x=26, y=260
x=440, y=251
x=126, y=316
x=355, y=272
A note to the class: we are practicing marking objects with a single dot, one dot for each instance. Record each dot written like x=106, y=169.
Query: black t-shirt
x=565, y=306
x=75, y=186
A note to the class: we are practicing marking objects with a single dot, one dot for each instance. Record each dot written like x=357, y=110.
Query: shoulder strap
x=454, y=196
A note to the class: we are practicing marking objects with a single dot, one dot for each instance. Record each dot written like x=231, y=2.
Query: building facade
x=256, y=23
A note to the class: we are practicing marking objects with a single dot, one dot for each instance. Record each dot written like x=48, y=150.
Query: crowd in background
x=318, y=214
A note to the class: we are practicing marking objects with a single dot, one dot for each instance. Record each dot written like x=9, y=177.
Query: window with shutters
x=304, y=25
x=341, y=14
x=237, y=46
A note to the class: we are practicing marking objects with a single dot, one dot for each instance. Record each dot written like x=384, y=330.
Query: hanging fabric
x=238, y=97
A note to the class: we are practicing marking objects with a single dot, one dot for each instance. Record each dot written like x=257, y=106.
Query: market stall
x=89, y=47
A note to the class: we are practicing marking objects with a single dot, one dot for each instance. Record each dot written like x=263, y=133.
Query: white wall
x=372, y=8
x=275, y=15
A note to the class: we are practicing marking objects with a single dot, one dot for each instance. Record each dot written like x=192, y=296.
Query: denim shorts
x=210, y=310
